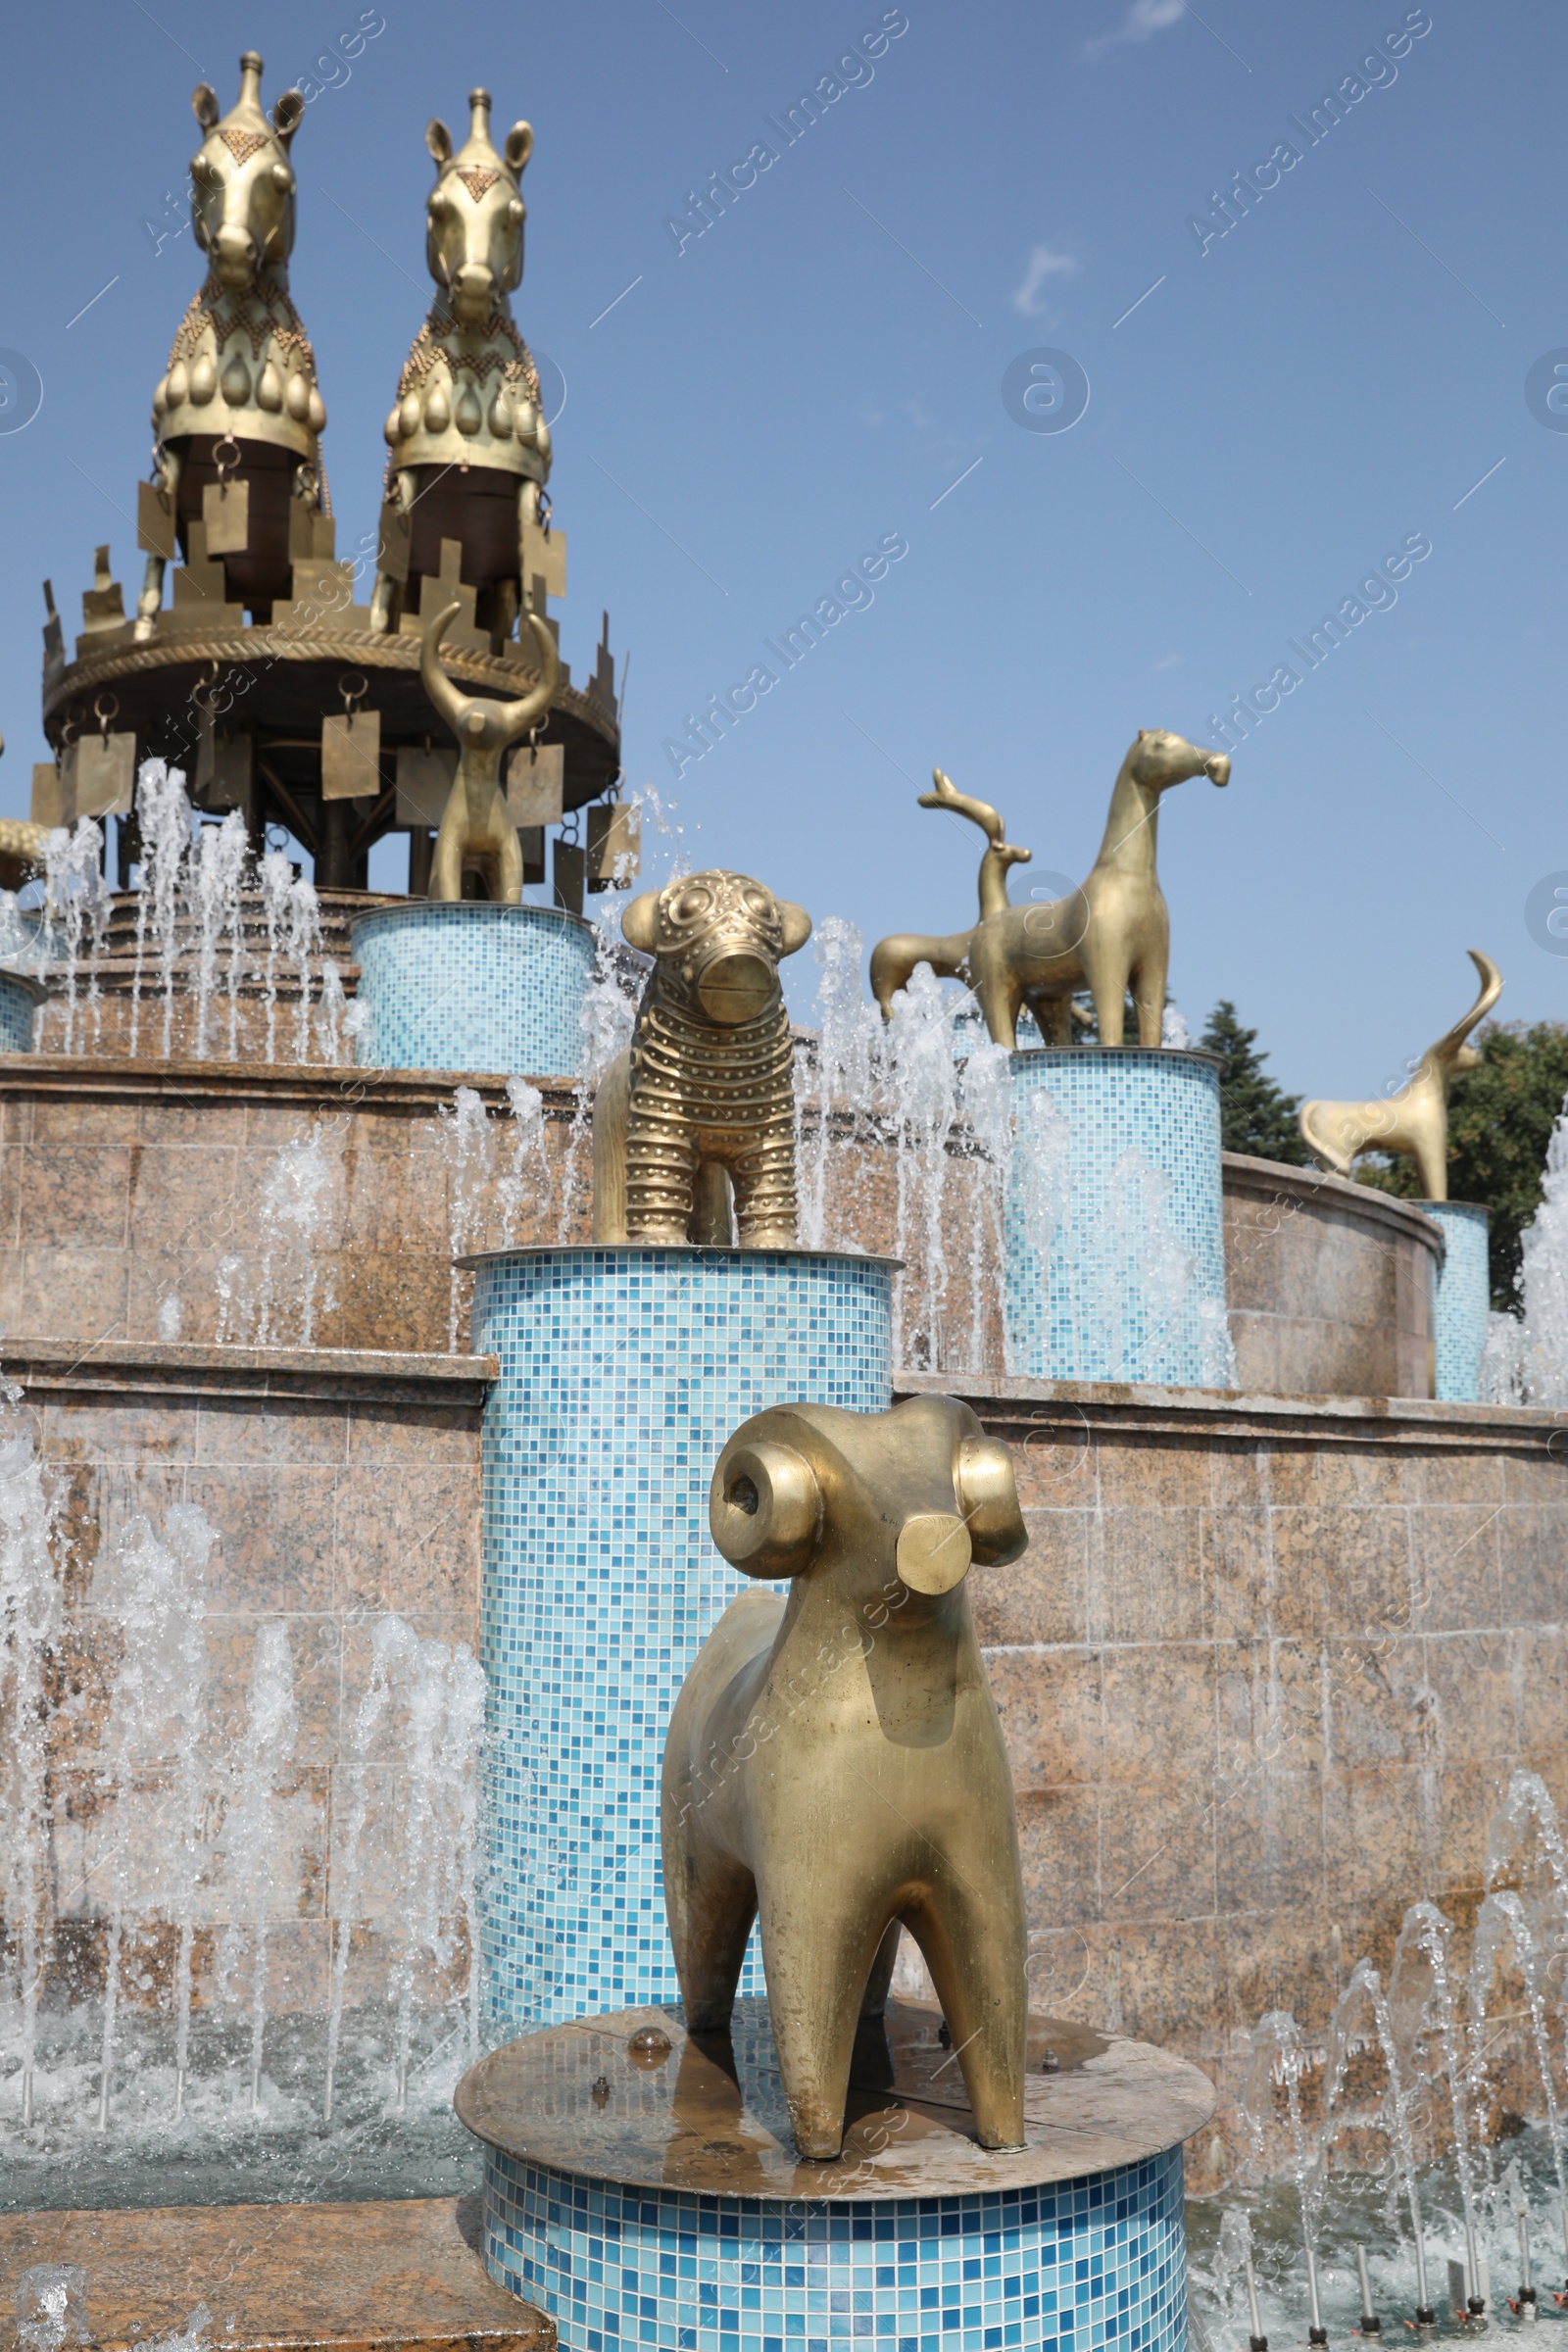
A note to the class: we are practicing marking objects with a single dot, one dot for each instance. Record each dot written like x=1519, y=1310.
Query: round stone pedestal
x=473, y=987
x=1461, y=1296
x=1115, y=1232
x=661, y=2202
x=20, y=999
x=622, y=1373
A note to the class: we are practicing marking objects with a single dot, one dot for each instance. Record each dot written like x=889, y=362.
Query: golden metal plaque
x=536, y=781
x=351, y=754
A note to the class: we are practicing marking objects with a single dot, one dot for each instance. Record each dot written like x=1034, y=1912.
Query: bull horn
x=1490, y=991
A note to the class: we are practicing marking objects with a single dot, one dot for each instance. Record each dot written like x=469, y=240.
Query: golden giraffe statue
x=476, y=822
x=1109, y=936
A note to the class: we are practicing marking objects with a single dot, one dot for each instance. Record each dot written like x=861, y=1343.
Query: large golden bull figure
x=835, y=1764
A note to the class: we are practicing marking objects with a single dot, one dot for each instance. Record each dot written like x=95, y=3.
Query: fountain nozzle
x=1371, y=2325
x=1524, y=2308
x=1317, y=2335
x=1257, y=2342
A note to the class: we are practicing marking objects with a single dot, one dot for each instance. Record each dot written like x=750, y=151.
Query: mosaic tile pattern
x=622, y=1374
x=473, y=987
x=18, y=999
x=1114, y=1240
x=1084, y=2265
x=1462, y=1295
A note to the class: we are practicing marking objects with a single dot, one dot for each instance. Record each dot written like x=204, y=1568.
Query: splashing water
x=253, y=1834
x=834, y=1085
x=605, y=1020
x=80, y=904
x=52, y=2307
x=922, y=1079
x=164, y=820
x=331, y=1013
x=303, y=940
x=31, y=1624
x=298, y=1209
x=529, y=1178
x=1524, y=1359
x=222, y=854
x=278, y=881
x=153, y=1590
x=469, y=1147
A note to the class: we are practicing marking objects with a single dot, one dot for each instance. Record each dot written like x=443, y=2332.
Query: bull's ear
x=519, y=146
x=639, y=922
x=987, y=1496
x=764, y=1509
x=796, y=926
x=204, y=105
x=287, y=112
x=438, y=139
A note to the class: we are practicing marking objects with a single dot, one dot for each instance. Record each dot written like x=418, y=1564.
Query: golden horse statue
x=1111, y=934
x=476, y=822
x=1414, y=1121
x=241, y=366
x=469, y=447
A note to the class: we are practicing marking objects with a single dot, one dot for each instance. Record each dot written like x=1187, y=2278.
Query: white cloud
x=1043, y=264
x=1167, y=661
x=1145, y=18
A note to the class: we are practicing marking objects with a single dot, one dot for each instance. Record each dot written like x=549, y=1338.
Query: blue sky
x=823, y=369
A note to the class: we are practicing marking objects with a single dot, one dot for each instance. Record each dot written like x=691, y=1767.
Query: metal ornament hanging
x=351, y=746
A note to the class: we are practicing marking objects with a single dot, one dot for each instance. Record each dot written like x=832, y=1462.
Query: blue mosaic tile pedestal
x=473, y=987
x=664, y=2205
x=1462, y=1295
x=1114, y=1230
x=622, y=1373
x=20, y=999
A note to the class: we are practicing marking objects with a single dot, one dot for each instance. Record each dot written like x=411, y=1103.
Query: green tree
x=1500, y=1120
x=1254, y=1114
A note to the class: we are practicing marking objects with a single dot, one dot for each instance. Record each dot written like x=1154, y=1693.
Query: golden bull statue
x=1414, y=1121
x=703, y=1105
x=1109, y=936
x=476, y=822
x=835, y=1765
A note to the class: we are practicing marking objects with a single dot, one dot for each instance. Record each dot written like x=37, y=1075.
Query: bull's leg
x=661, y=1166
x=711, y=1901
x=879, y=1984
x=1107, y=985
x=610, y=1151
x=766, y=1207
x=974, y=1947
x=818, y=1958
x=506, y=849
x=712, y=1225
x=446, y=860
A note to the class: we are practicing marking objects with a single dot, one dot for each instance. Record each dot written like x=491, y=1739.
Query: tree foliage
x=1254, y=1114
x=1500, y=1120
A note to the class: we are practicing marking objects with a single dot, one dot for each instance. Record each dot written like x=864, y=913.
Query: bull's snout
x=1217, y=768
x=736, y=986
x=473, y=291
x=934, y=1552
x=234, y=258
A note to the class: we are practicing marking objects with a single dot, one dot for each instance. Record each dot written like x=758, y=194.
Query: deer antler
x=979, y=812
x=1490, y=991
x=515, y=718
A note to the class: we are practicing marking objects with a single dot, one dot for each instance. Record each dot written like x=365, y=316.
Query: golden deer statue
x=242, y=367
x=476, y=822
x=1109, y=936
x=469, y=447
x=1415, y=1120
